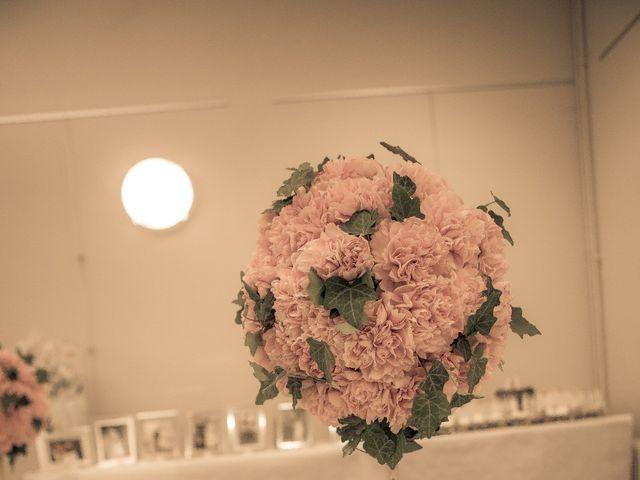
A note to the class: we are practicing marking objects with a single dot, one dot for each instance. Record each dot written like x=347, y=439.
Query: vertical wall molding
x=589, y=199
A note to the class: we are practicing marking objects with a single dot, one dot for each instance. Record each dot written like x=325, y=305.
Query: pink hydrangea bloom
x=17, y=423
x=430, y=276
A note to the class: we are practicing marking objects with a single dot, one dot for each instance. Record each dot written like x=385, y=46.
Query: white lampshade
x=157, y=194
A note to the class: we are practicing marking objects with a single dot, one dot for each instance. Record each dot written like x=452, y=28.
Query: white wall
x=496, y=112
x=615, y=101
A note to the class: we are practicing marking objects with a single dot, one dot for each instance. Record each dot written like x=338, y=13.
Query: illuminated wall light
x=157, y=194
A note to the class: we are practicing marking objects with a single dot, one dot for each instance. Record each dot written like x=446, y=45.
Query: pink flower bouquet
x=25, y=406
x=377, y=300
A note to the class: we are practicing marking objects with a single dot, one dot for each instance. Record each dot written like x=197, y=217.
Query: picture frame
x=65, y=449
x=247, y=428
x=160, y=435
x=292, y=427
x=206, y=433
x=116, y=441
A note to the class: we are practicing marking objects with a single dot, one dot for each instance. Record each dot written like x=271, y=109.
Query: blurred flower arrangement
x=25, y=405
x=62, y=361
x=377, y=300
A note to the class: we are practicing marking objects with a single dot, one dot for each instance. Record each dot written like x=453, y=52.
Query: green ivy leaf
x=253, y=341
x=301, y=177
x=316, y=287
x=520, y=325
x=404, y=205
x=477, y=368
x=268, y=388
x=253, y=294
x=483, y=319
x=279, y=204
x=367, y=279
x=499, y=220
x=507, y=236
x=263, y=309
x=436, y=378
x=42, y=376
x=350, y=430
x=323, y=163
x=11, y=373
x=37, y=424
x=464, y=348
x=321, y=354
x=412, y=446
x=26, y=357
x=16, y=450
x=399, y=151
x=241, y=307
x=261, y=373
x=351, y=445
x=428, y=412
x=361, y=223
x=400, y=445
x=294, y=387
x=379, y=443
x=501, y=204
x=460, y=399
x=14, y=401
x=405, y=183
x=349, y=299
x=346, y=328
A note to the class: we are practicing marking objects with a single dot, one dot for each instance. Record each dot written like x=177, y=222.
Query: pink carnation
x=409, y=252
x=352, y=167
x=323, y=401
x=336, y=253
x=383, y=349
x=381, y=400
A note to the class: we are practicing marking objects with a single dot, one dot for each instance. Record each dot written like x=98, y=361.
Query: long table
x=589, y=449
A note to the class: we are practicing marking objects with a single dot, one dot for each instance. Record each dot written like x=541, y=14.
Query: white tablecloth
x=592, y=449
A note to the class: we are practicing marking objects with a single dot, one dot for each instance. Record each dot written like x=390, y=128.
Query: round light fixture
x=157, y=194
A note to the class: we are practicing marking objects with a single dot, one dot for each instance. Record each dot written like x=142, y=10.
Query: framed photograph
x=206, y=433
x=116, y=440
x=292, y=427
x=160, y=435
x=65, y=449
x=247, y=429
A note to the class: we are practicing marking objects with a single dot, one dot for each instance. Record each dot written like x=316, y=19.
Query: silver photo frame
x=116, y=441
x=247, y=429
x=65, y=449
x=160, y=435
x=292, y=427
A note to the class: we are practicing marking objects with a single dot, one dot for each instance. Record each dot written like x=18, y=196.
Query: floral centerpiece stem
x=393, y=474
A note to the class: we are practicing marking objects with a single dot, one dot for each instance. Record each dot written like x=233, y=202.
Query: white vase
x=69, y=410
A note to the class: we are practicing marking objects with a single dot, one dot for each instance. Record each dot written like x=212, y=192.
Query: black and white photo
x=160, y=435
x=116, y=440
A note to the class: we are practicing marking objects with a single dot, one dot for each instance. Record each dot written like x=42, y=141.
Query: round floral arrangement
x=377, y=299
x=25, y=406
